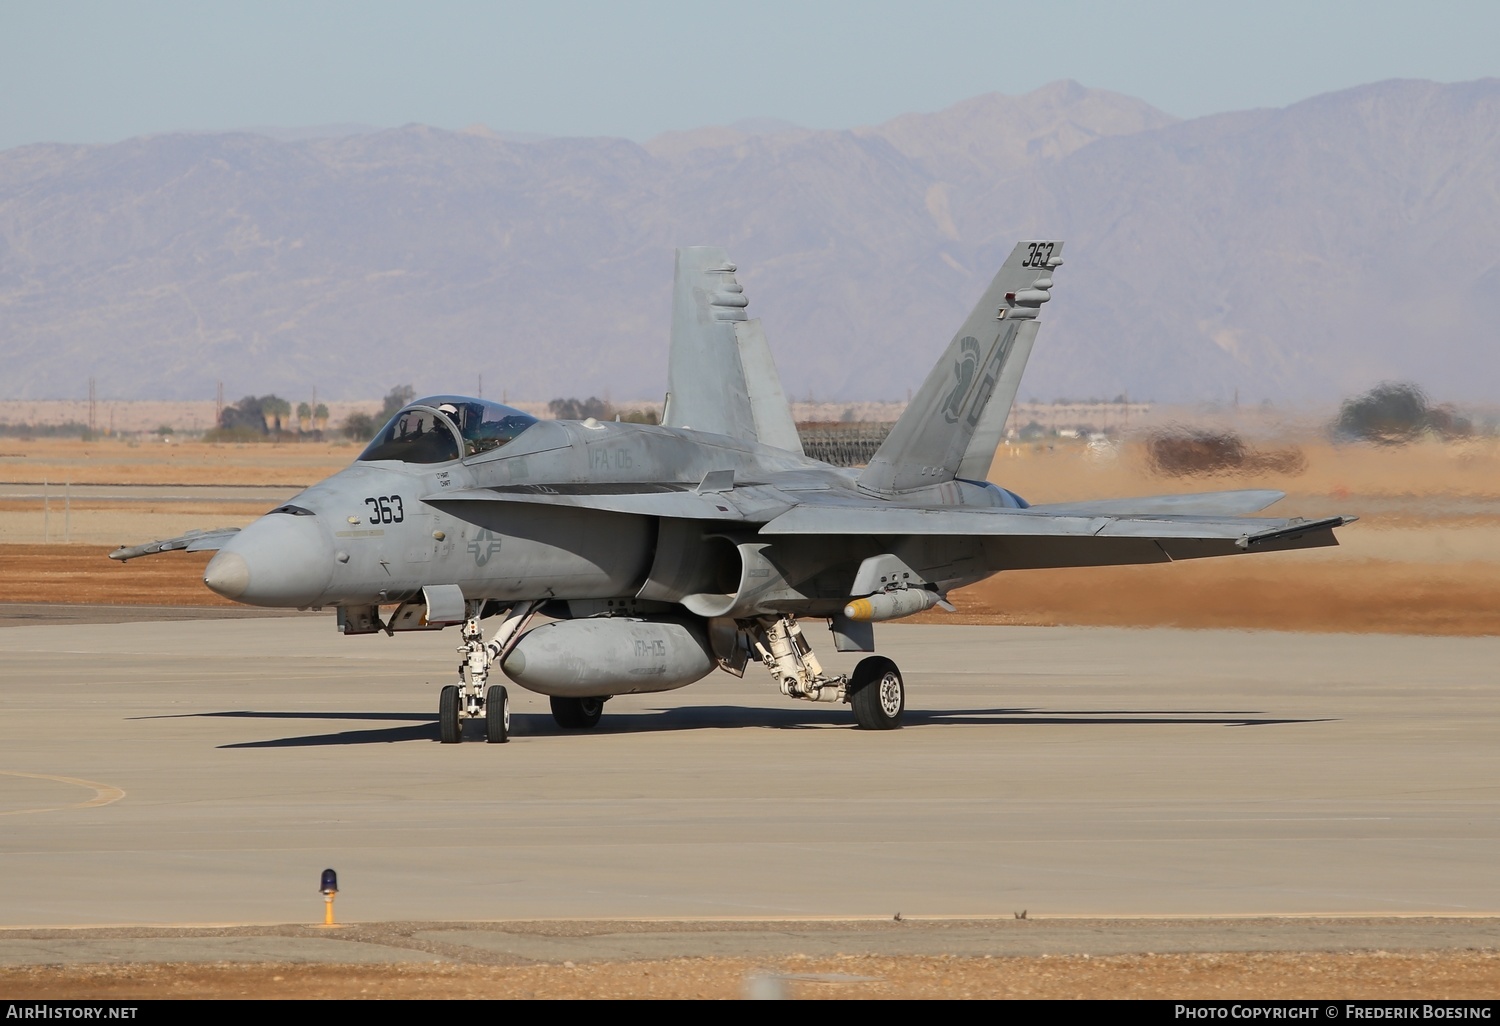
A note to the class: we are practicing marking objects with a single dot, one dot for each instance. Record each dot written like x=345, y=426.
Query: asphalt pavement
x=185, y=782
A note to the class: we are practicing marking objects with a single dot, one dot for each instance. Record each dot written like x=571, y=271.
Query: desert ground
x=1366, y=976
x=1423, y=559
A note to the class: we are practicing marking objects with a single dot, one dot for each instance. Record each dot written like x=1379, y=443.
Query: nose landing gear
x=470, y=698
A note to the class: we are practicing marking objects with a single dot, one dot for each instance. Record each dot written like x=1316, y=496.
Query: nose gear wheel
x=450, y=727
x=497, y=715
x=471, y=697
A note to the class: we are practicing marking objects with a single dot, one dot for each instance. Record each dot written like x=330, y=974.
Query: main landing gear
x=470, y=698
x=577, y=713
x=875, y=689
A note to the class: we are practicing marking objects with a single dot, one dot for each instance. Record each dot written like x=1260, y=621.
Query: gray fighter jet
x=658, y=554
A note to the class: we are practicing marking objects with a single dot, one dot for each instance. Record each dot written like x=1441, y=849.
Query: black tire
x=577, y=713
x=497, y=715
x=450, y=727
x=877, y=694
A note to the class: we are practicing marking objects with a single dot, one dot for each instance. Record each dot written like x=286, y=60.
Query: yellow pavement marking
x=103, y=793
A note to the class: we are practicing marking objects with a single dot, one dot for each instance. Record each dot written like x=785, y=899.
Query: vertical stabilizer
x=975, y=466
x=720, y=376
x=980, y=369
x=705, y=384
x=768, y=406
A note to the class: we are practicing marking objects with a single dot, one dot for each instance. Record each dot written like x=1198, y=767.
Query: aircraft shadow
x=1022, y=717
x=255, y=715
x=418, y=727
x=729, y=716
x=423, y=726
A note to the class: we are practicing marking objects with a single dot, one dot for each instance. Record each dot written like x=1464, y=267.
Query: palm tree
x=273, y=408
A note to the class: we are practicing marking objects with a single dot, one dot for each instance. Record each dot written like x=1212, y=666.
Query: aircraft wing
x=193, y=541
x=1247, y=500
x=1167, y=530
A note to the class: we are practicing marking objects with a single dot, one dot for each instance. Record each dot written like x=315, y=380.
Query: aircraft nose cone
x=228, y=574
x=280, y=560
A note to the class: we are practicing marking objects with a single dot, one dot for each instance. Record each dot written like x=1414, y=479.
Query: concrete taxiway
x=206, y=771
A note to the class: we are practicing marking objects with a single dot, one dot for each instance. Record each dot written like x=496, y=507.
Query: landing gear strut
x=781, y=646
x=876, y=690
x=469, y=698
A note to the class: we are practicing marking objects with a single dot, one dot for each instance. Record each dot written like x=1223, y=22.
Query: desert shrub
x=581, y=409
x=252, y=413
x=599, y=409
x=238, y=433
x=71, y=429
x=1391, y=413
x=360, y=427
x=1448, y=422
x=394, y=400
x=1394, y=413
x=1184, y=452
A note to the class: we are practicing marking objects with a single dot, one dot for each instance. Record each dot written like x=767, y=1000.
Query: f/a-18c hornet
x=658, y=554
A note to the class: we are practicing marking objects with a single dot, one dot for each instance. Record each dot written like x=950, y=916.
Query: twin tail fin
x=955, y=422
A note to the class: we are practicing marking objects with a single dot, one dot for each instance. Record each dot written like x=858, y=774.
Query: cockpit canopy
x=441, y=428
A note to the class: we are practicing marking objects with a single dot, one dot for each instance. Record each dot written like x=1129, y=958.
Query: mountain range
x=1290, y=255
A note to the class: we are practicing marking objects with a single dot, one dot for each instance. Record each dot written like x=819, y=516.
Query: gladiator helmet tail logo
x=963, y=377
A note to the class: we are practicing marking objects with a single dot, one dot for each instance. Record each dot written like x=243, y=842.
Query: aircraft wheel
x=577, y=713
x=497, y=715
x=877, y=694
x=450, y=727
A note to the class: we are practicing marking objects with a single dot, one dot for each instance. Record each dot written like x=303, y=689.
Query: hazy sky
x=73, y=71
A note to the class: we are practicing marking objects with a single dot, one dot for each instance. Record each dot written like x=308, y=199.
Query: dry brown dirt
x=1364, y=596
x=120, y=461
x=84, y=575
x=1459, y=975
